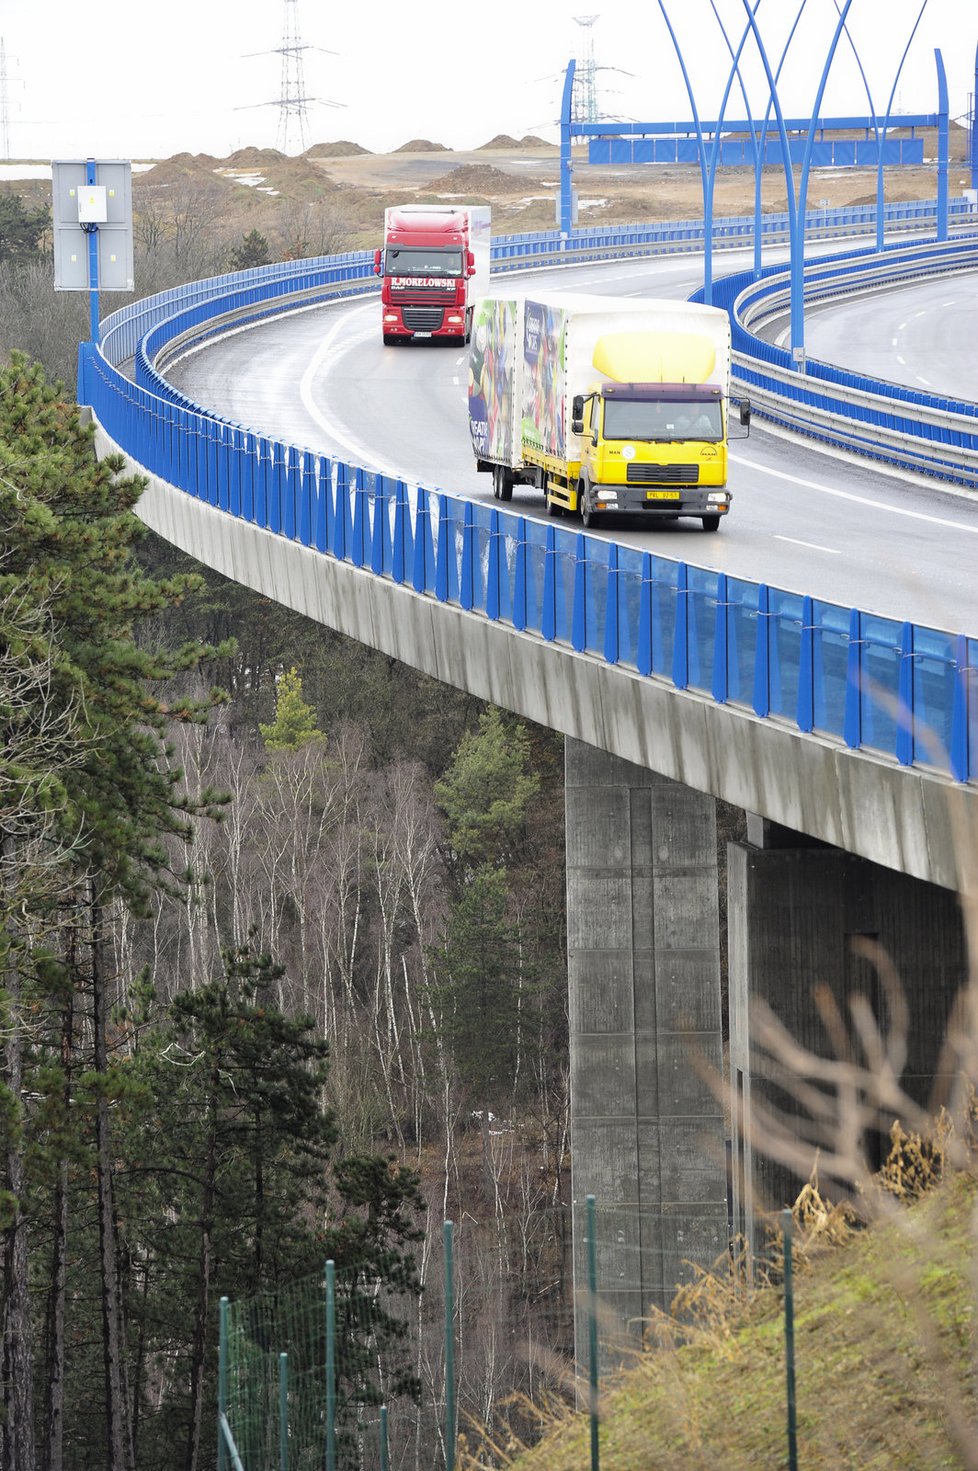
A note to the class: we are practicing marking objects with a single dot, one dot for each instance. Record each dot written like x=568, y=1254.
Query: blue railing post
x=762, y=653
x=644, y=653
x=276, y=499
x=444, y=550
x=519, y=576
x=579, y=611
x=611, y=638
x=680, y=647
x=905, y=730
x=852, y=724
x=424, y=552
x=806, y=667
x=263, y=481
x=325, y=509
x=358, y=539
x=224, y=457
x=378, y=532
x=290, y=492
x=964, y=713
x=548, y=617
x=721, y=674
x=467, y=590
x=341, y=518
x=492, y=568
x=236, y=458
x=307, y=496
x=399, y=553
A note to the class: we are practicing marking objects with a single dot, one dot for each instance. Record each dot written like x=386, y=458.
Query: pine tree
x=253, y=251
x=21, y=228
x=68, y=532
x=295, y=721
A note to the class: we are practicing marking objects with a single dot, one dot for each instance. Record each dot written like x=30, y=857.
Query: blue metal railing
x=899, y=690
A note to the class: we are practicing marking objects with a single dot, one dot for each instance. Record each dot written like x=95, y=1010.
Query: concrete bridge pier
x=796, y=909
x=647, y=1131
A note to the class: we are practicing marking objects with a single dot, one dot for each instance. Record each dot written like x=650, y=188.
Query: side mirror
x=377, y=254
x=745, y=411
x=469, y=263
x=577, y=426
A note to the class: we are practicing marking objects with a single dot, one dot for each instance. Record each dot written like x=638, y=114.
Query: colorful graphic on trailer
x=491, y=381
x=543, y=378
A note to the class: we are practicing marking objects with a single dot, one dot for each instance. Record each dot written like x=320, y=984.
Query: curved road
x=802, y=519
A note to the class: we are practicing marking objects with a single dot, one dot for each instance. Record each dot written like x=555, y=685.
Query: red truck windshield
x=638, y=419
x=418, y=261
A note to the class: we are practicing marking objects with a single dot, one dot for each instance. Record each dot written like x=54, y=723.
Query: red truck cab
x=433, y=265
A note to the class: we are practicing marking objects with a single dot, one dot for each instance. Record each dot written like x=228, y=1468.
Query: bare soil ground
x=348, y=188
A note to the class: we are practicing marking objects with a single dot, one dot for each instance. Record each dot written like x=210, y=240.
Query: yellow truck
x=607, y=405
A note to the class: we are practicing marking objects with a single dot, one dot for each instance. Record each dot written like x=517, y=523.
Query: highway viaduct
x=845, y=850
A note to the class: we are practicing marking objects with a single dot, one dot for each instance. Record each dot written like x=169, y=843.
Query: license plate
x=421, y=334
x=662, y=495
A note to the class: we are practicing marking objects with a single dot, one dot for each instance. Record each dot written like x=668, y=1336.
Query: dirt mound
x=299, y=178
x=199, y=160
x=530, y=140
x=501, y=141
x=342, y=148
x=482, y=178
x=184, y=168
x=254, y=157
x=422, y=145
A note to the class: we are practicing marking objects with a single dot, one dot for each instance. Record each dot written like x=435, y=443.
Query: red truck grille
x=422, y=318
x=662, y=474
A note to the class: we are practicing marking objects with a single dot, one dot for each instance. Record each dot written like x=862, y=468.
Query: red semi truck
x=434, y=265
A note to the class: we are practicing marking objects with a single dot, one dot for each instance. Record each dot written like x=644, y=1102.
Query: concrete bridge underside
x=840, y=845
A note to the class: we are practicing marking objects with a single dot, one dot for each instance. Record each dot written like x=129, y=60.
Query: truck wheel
x=554, y=508
x=502, y=485
x=711, y=523
x=589, y=517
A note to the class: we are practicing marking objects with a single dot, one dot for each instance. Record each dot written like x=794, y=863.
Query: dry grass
x=884, y=1321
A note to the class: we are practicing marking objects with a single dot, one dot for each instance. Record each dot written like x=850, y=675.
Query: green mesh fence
x=275, y=1390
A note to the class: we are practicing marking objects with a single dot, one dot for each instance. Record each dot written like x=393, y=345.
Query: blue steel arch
x=796, y=203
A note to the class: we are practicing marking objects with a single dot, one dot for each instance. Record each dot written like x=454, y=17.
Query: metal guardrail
x=935, y=434
x=902, y=691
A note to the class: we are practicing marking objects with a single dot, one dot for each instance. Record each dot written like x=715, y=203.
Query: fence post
x=592, y=1331
x=283, y=1412
x=449, y=1350
x=222, y=1384
x=384, y=1454
x=330, y=1366
x=789, y=1342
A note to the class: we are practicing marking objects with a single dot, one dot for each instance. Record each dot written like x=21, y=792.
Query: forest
x=283, y=971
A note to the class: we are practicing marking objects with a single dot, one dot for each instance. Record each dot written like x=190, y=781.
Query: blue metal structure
x=806, y=155
x=835, y=671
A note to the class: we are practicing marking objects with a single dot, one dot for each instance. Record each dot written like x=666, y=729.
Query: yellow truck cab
x=649, y=447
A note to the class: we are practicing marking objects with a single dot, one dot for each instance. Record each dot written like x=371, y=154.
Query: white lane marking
x=901, y=359
x=859, y=500
x=358, y=451
x=896, y=340
x=812, y=545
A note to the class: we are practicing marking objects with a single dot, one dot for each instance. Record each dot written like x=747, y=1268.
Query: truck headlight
x=454, y=319
x=718, y=497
